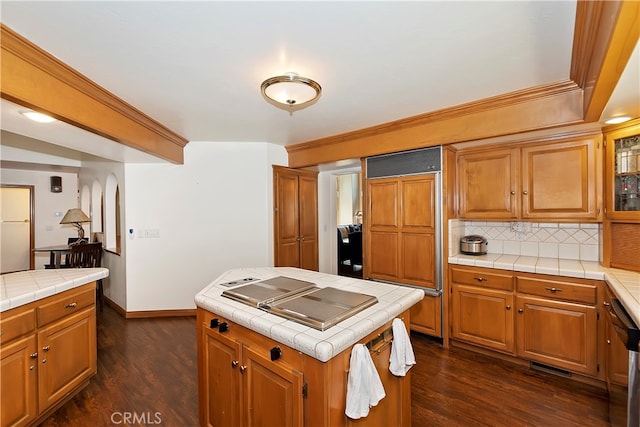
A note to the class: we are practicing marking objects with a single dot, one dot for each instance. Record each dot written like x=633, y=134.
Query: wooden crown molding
x=529, y=109
x=34, y=78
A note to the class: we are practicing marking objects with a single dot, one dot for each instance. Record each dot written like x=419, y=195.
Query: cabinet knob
x=606, y=303
x=609, y=342
x=525, y=192
x=508, y=307
x=276, y=352
x=44, y=360
x=243, y=368
x=46, y=348
x=520, y=311
x=71, y=305
x=214, y=323
x=223, y=327
x=33, y=355
x=31, y=367
x=480, y=279
x=513, y=193
x=234, y=363
x=554, y=290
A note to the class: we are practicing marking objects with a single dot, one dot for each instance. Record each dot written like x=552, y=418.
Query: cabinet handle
x=234, y=363
x=214, y=323
x=481, y=279
x=609, y=342
x=33, y=355
x=520, y=311
x=554, y=290
x=606, y=303
x=513, y=193
x=243, y=368
x=525, y=192
x=223, y=327
x=46, y=348
x=44, y=360
x=71, y=305
x=31, y=367
x=508, y=307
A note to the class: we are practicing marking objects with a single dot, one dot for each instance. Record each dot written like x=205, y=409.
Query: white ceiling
x=196, y=67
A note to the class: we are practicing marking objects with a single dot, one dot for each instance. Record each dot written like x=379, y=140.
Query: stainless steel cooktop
x=302, y=302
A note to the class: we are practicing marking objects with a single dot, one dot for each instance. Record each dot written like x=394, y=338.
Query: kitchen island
x=265, y=367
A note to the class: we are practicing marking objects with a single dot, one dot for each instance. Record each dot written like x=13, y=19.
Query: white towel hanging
x=402, y=357
x=364, y=387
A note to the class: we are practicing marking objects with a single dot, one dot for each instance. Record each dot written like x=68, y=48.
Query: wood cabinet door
x=382, y=245
x=308, y=221
x=559, y=334
x=67, y=355
x=221, y=400
x=559, y=180
x=487, y=184
x=418, y=202
x=273, y=391
x=617, y=356
x=483, y=316
x=426, y=316
x=18, y=382
x=418, y=263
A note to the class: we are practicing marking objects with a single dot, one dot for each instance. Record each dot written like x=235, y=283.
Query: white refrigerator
x=15, y=229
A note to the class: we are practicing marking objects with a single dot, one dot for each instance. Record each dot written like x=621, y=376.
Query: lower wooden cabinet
x=556, y=333
x=426, y=316
x=616, y=354
x=554, y=321
x=248, y=379
x=48, y=352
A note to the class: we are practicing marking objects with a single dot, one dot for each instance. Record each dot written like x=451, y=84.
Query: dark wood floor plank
x=149, y=365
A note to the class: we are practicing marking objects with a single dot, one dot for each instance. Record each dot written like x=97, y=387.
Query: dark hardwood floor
x=148, y=366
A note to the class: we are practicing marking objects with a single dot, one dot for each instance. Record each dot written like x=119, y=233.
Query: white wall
x=49, y=207
x=212, y=214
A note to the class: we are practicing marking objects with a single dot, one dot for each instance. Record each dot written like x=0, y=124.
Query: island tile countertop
x=23, y=287
x=392, y=300
x=625, y=284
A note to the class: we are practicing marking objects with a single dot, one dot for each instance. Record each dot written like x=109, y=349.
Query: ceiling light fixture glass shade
x=290, y=90
x=617, y=120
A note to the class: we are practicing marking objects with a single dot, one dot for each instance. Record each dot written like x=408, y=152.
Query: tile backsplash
x=548, y=240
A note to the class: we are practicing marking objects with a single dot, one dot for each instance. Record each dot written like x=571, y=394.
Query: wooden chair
x=88, y=255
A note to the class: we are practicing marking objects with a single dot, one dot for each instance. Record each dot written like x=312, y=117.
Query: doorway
x=16, y=231
x=349, y=224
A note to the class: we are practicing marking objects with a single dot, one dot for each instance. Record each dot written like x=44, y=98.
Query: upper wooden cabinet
x=537, y=181
x=622, y=171
x=295, y=218
x=400, y=231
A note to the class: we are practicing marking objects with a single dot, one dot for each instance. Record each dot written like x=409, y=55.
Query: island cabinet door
x=273, y=391
x=18, y=378
x=220, y=394
x=67, y=356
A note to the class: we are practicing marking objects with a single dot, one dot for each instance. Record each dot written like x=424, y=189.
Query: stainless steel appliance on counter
x=629, y=333
x=473, y=245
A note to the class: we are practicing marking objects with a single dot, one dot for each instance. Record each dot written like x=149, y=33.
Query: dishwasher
x=629, y=333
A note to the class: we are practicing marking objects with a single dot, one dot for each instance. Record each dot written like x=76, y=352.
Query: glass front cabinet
x=622, y=171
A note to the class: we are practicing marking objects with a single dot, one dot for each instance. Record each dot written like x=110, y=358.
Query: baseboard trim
x=189, y=312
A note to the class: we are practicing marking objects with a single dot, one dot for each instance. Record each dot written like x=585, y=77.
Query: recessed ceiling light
x=37, y=117
x=616, y=120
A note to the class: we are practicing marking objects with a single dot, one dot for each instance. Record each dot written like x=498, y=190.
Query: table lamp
x=76, y=217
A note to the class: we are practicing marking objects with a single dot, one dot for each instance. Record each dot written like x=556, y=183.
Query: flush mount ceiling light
x=617, y=120
x=37, y=117
x=290, y=91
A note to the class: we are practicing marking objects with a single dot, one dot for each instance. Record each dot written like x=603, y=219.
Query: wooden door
x=426, y=316
x=559, y=180
x=273, y=392
x=558, y=333
x=68, y=356
x=18, y=382
x=382, y=244
x=483, y=316
x=308, y=221
x=295, y=218
x=221, y=400
x=487, y=184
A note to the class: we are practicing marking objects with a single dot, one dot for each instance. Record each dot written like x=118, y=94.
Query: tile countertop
x=624, y=283
x=23, y=287
x=392, y=300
